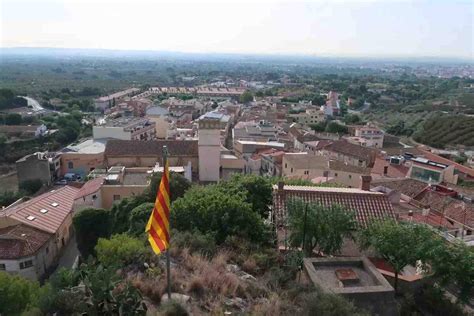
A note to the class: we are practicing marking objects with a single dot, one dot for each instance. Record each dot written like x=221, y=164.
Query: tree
x=258, y=191
x=13, y=119
x=318, y=99
x=211, y=209
x=318, y=127
x=352, y=119
x=31, y=186
x=139, y=217
x=178, y=186
x=246, y=97
x=120, y=250
x=17, y=294
x=400, y=244
x=120, y=212
x=90, y=224
x=453, y=264
x=325, y=227
x=334, y=127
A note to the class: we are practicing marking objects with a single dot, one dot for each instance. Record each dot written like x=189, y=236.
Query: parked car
x=61, y=182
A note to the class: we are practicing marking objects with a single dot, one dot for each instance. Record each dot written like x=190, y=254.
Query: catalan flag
x=158, y=226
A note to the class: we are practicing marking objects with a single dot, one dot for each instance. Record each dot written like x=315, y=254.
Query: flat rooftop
x=89, y=146
x=123, y=122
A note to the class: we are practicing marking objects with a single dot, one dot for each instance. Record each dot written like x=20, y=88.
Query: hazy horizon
x=352, y=29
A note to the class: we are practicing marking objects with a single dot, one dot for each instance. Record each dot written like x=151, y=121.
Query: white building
x=125, y=128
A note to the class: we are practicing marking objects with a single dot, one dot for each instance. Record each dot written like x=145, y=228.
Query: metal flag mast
x=168, y=264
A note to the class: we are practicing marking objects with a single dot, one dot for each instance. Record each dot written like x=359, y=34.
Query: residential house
x=113, y=99
x=367, y=205
x=303, y=166
x=349, y=153
x=23, y=131
x=34, y=232
x=83, y=157
x=432, y=172
x=41, y=165
x=125, y=128
x=271, y=164
x=367, y=135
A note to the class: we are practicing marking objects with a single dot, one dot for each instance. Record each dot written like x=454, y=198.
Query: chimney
x=385, y=170
x=365, y=182
x=281, y=184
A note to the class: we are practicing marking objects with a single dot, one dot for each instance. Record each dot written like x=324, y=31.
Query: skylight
x=54, y=204
x=30, y=218
x=44, y=211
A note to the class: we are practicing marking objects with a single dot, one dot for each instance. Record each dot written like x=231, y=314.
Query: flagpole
x=168, y=273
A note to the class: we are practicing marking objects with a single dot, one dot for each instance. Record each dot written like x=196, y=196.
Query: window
x=26, y=264
x=47, y=250
x=116, y=197
x=286, y=166
x=306, y=172
x=70, y=165
x=350, y=176
x=2, y=267
x=44, y=211
x=291, y=170
x=55, y=204
x=335, y=174
x=30, y=218
x=94, y=197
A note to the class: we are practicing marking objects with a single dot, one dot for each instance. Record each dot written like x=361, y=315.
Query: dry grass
x=250, y=265
x=269, y=307
x=210, y=284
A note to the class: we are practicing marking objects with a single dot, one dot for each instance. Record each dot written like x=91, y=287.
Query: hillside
x=442, y=131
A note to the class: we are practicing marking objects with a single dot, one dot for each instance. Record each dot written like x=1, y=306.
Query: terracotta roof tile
x=21, y=241
x=348, y=149
x=367, y=205
x=407, y=186
x=90, y=187
x=117, y=147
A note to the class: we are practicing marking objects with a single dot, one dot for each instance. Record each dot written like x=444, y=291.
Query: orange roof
x=90, y=187
x=46, y=211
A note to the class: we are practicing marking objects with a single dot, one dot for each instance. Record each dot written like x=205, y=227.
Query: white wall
x=209, y=154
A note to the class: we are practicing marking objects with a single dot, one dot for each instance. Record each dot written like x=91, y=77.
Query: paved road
x=34, y=104
x=69, y=255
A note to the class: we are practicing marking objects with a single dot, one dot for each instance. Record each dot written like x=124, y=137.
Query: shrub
x=195, y=241
x=120, y=250
x=138, y=218
x=319, y=303
x=17, y=294
x=90, y=225
x=212, y=210
x=31, y=186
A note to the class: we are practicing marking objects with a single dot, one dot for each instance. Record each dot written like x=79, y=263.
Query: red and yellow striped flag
x=158, y=225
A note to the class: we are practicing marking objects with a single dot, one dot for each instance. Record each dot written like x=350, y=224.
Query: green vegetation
x=31, y=186
x=120, y=250
x=321, y=229
x=445, y=130
x=9, y=100
x=246, y=97
x=90, y=225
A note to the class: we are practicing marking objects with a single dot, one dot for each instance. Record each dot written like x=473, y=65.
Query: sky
x=434, y=28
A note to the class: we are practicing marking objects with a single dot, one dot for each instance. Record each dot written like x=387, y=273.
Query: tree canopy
x=325, y=228
x=90, y=224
